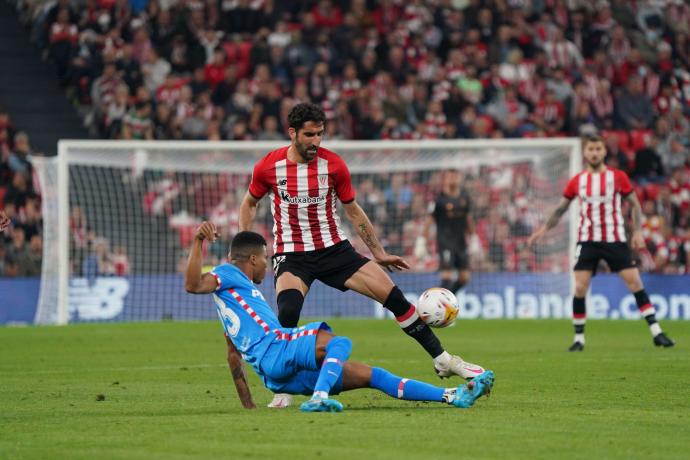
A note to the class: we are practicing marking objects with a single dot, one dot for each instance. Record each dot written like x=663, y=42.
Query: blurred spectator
x=120, y=261
x=154, y=70
x=561, y=52
x=507, y=105
x=63, y=38
x=17, y=246
x=19, y=191
x=103, y=89
x=674, y=152
x=137, y=124
x=561, y=87
x=615, y=156
x=270, y=130
x=633, y=107
x=29, y=261
x=116, y=111
x=18, y=159
x=196, y=125
x=99, y=262
x=648, y=167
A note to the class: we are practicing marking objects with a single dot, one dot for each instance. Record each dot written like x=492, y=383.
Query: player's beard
x=595, y=164
x=307, y=153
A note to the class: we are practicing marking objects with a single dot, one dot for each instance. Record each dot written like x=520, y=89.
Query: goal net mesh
x=133, y=210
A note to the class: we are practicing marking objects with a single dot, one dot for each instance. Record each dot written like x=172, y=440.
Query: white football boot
x=280, y=401
x=456, y=366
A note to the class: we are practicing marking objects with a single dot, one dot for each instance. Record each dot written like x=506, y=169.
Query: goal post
x=119, y=217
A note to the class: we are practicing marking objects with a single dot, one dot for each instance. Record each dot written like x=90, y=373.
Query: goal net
x=120, y=216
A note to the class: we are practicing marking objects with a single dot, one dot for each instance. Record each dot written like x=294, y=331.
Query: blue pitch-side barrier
x=494, y=295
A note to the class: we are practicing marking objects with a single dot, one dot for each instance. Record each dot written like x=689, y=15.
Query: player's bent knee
x=342, y=344
x=290, y=303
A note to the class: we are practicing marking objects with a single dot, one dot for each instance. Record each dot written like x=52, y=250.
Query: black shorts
x=617, y=255
x=453, y=258
x=332, y=266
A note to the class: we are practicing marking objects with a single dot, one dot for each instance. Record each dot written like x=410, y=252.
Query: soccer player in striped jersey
x=601, y=235
x=304, y=181
x=306, y=360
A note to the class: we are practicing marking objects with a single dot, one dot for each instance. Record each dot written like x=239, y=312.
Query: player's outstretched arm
x=239, y=376
x=361, y=223
x=4, y=221
x=552, y=221
x=637, y=241
x=194, y=281
x=247, y=212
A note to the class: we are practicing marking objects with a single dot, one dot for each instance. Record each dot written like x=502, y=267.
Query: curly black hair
x=246, y=243
x=304, y=112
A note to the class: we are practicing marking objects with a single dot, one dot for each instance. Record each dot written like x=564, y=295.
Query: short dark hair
x=304, y=112
x=246, y=243
x=591, y=137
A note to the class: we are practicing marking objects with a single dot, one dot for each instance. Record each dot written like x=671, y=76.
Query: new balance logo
x=282, y=182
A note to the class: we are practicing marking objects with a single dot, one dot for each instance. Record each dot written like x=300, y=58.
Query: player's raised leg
x=373, y=282
x=631, y=277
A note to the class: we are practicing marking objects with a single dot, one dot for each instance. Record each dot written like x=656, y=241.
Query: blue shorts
x=289, y=364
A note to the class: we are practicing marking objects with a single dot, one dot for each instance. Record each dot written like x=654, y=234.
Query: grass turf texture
x=163, y=390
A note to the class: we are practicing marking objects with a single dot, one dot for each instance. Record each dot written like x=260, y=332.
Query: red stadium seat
x=623, y=140
x=651, y=191
x=639, y=138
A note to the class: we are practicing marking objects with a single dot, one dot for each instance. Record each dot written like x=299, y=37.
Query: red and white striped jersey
x=601, y=218
x=303, y=198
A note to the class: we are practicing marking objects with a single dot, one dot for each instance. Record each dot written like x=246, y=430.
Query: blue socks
x=407, y=389
x=337, y=352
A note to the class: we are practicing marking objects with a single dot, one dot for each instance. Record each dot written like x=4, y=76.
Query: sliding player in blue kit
x=306, y=360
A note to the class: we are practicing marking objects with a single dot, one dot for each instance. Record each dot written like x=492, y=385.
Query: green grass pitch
x=163, y=391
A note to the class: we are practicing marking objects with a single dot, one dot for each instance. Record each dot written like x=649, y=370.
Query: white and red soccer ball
x=438, y=307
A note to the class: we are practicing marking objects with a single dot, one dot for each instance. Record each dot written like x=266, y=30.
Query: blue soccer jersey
x=247, y=319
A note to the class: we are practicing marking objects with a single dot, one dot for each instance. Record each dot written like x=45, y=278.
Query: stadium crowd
x=388, y=69
x=21, y=248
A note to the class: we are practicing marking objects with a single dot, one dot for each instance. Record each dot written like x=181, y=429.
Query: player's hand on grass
x=245, y=395
x=207, y=231
x=637, y=242
x=392, y=262
x=4, y=221
x=535, y=236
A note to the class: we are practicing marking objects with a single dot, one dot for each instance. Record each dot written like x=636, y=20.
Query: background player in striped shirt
x=302, y=360
x=304, y=181
x=601, y=235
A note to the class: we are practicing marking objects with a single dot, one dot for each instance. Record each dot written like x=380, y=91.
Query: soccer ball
x=438, y=307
